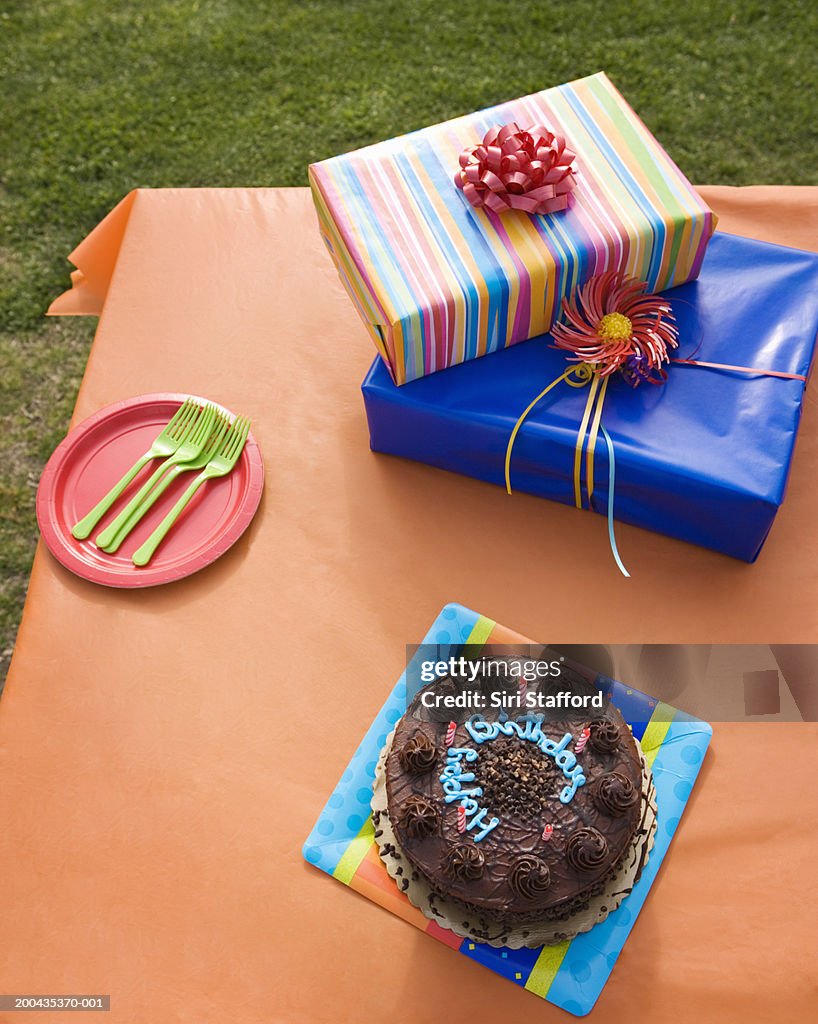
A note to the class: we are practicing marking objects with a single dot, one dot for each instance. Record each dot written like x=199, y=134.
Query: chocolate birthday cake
x=511, y=825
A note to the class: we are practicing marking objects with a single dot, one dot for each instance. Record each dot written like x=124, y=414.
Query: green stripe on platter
x=545, y=969
x=355, y=853
x=654, y=735
x=478, y=638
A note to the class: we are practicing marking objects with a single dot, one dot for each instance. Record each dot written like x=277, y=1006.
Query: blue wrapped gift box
x=704, y=458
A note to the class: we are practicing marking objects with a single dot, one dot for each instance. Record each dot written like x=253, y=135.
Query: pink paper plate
x=96, y=454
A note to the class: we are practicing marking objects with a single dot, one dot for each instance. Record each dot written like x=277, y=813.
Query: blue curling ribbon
x=611, y=482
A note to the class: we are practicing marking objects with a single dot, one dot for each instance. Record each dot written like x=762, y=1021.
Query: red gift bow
x=518, y=169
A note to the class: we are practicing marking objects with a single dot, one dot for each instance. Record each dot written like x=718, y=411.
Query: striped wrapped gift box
x=571, y=974
x=438, y=282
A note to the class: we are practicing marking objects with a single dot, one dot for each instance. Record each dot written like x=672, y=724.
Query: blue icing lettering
x=482, y=834
x=478, y=820
x=568, y=792
x=458, y=794
x=553, y=748
x=453, y=778
x=529, y=727
x=565, y=760
x=532, y=731
x=457, y=753
x=481, y=731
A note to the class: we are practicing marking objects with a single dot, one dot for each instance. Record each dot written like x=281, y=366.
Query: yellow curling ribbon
x=589, y=472
x=583, y=427
x=579, y=376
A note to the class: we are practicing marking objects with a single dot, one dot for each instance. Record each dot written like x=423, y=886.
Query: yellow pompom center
x=614, y=327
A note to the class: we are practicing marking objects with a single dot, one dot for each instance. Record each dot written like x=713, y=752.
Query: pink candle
x=547, y=832
x=461, y=818
x=583, y=739
x=450, y=733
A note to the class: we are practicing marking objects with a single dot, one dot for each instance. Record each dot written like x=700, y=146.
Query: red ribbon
x=518, y=169
x=741, y=369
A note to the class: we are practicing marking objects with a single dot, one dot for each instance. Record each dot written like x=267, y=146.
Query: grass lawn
x=101, y=97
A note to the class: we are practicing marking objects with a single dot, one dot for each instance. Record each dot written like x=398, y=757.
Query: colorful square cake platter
x=572, y=974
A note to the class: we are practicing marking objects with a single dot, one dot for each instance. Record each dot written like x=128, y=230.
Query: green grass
x=101, y=97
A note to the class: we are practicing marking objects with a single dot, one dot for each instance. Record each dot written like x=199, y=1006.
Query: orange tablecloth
x=163, y=753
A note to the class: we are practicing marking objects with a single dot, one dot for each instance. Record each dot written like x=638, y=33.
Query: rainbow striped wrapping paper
x=437, y=282
x=571, y=974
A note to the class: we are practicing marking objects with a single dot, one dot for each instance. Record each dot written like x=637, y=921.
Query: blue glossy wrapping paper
x=704, y=458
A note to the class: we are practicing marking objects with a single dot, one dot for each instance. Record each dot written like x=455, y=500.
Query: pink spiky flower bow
x=518, y=169
x=613, y=323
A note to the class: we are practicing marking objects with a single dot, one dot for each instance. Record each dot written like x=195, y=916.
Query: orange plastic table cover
x=165, y=752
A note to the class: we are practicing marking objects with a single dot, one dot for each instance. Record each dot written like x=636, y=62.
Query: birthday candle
x=583, y=739
x=450, y=733
x=547, y=832
x=461, y=818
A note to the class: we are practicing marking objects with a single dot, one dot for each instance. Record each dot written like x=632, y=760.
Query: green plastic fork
x=220, y=465
x=190, y=448
x=165, y=444
x=212, y=447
